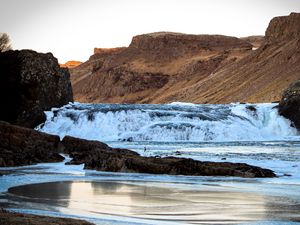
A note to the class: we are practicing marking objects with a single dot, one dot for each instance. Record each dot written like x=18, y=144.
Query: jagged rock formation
x=24, y=146
x=31, y=83
x=164, y=67
x=289, y=106
x=153, y=66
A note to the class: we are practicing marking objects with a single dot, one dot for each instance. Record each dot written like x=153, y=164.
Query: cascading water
x=170, y=122
x=243, y=133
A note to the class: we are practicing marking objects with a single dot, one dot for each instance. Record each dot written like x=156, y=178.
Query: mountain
x=165, y=67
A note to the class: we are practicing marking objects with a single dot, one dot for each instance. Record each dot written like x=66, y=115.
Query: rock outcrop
x=21, y=146
x=194, y=68
x=31, y=83
x=108, y=50
x=283, y=28
x=99, y=156
x=289, y=106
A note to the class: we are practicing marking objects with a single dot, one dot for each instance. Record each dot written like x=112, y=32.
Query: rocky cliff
x=154, y=65
x=31, y=83
x=262, y=75
x=164, y=67
x=283, y=28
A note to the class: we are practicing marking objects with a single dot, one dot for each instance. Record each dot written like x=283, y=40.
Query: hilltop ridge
x=164, y=67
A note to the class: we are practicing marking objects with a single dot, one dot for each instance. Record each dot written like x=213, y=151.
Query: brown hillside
x=165, y=67
x=157, y=64
x=255, y=40
x=259, y=77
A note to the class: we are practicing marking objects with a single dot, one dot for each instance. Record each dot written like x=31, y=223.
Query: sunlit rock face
x=71, y=64
x=283, y=28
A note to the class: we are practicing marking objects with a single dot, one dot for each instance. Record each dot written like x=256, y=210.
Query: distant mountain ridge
x=165, y=67
x=71, y=64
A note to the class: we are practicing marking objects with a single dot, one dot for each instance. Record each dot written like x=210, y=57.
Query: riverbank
x=57, y=189
x=13, y=218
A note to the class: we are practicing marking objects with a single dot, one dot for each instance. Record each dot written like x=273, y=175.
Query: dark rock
x=31, y=83
x=289, y=106
x=99, y=156
x=13, y=218
x=287, y=175
x=22, y=146
x=177, y=153
x=83, y=151
x=251, y=108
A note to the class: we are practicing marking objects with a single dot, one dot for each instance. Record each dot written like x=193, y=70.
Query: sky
x=70, y=29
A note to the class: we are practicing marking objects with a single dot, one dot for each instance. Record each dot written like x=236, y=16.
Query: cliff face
x=165, y=67
x=262, y=75
x=283, y=28
x=31, y=83
x=153, y=66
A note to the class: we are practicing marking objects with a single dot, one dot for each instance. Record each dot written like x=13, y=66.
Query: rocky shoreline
x=23, y=146
x=13, y=218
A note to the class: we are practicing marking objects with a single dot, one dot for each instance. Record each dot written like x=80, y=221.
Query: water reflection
x=50, y=193
x=145, y=201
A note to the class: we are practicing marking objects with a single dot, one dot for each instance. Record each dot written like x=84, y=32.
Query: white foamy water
x=245, y=133
x=170, y=122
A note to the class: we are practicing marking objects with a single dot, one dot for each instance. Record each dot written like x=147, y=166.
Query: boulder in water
x=289, y=106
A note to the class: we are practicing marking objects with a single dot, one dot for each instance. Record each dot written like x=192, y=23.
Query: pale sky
x=70, y=29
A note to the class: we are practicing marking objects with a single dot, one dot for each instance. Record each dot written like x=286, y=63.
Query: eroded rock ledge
x=23, y=146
